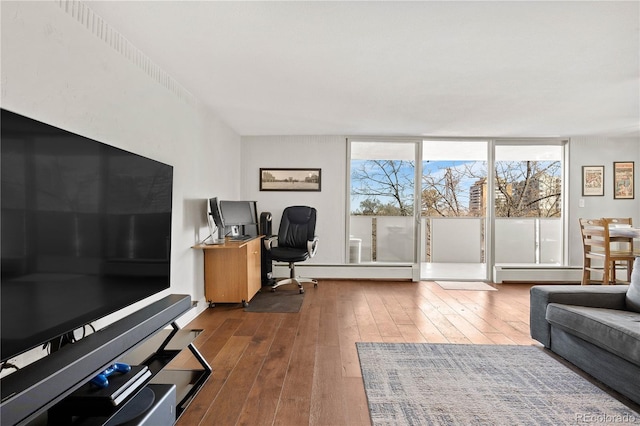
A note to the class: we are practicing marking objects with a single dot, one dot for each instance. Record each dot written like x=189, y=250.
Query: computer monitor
x=214, y=214
x=239, y=217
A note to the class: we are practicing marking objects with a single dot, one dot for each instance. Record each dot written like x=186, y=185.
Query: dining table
x=624, y=232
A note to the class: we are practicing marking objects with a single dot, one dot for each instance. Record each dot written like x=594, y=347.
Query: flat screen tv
x=86, y=231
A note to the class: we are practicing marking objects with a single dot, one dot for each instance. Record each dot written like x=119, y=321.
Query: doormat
x=462, y=384
x=276, y=301
x=465, y=285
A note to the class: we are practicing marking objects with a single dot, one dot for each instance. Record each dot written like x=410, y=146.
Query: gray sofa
x=596, y=328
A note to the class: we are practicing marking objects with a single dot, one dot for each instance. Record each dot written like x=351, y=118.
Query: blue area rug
x=449, y=384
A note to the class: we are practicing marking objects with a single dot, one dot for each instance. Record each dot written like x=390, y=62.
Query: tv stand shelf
x=172, y=342
x=155, y=354
x=32, y=392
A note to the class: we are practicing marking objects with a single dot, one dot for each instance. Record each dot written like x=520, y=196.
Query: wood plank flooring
x=302, y=368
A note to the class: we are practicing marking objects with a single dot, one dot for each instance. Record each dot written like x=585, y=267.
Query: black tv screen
x=86, y=231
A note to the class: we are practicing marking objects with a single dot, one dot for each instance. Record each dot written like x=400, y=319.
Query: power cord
x=7, y=364
x=67, y=339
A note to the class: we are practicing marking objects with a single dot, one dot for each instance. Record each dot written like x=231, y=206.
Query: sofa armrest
x=610, y=297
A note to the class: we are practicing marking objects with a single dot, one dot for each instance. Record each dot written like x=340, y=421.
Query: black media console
x=45, y=388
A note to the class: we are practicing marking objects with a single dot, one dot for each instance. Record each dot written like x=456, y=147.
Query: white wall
x=329, y=153
x=56, y=69
x=325, y=152
x=599, y=151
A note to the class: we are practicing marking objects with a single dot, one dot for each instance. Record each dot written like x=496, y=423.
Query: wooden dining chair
x=621, y=247
x=593, y=247
x=596, y=245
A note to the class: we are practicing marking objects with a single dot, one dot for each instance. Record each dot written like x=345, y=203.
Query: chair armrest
x=610, y=297
x=312, y=246
x=270, y=242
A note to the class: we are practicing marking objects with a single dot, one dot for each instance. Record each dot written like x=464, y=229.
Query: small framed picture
x=290, y=179
x=623, y=180
x=592, y=181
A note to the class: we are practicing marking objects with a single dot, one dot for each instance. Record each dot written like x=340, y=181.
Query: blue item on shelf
x=101, y=380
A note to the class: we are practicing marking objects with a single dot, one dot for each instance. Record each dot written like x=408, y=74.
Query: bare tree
x=444, y=192
x=528, y=189
x=523, y=188
x=384, y=180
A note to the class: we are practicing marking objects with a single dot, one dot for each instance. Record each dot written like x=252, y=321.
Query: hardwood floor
x=302, y=368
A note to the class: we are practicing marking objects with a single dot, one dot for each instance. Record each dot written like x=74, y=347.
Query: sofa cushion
x=597, y=296
x=633, y=293
x=613, y=330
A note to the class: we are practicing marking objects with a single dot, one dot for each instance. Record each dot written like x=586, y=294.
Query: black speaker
x=265, y=261
x=155, y=405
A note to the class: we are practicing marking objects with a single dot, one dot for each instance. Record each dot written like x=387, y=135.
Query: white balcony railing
x=455, y=240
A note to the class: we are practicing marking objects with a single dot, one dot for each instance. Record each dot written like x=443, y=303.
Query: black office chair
x=296, y=242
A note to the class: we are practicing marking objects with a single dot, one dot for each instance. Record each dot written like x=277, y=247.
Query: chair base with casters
x=294, y=280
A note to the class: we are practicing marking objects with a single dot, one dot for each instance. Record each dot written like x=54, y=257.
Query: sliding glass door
x=454, y=209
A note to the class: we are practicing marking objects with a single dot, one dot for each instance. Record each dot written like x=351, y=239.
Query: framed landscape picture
x=592, y=181
x=290, y=179
x=623, y=175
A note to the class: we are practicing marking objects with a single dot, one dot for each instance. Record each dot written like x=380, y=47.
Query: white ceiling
x=429, y=68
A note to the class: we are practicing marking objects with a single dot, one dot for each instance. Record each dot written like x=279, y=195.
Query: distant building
x=478, y=197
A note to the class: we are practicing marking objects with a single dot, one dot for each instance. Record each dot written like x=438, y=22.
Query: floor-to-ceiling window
x=456, y=208
x=528, y=203
x=382, y=226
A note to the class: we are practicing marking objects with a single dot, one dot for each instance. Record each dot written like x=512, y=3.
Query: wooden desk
x=232, y=271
